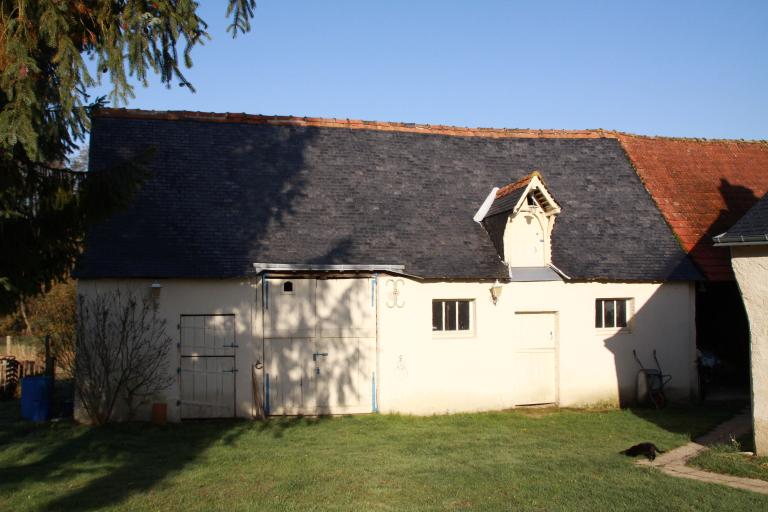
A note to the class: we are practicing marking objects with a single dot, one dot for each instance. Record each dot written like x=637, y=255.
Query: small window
x=611, y=313
x=451, y=315
x=288, y=287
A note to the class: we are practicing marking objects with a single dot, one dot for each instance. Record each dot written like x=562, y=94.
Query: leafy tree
x=53, y=314
x=45, y=206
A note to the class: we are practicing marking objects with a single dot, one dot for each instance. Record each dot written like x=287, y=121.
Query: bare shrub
x=121, y=354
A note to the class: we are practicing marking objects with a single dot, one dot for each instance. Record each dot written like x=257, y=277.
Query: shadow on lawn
x=276, y=426
x=121, y=460
x=690, y=420
x=117, y=461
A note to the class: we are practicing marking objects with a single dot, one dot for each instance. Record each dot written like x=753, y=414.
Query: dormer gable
x=524, y=192
x=519, y=218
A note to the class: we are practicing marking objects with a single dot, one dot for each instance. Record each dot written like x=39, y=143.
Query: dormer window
x=519, y=218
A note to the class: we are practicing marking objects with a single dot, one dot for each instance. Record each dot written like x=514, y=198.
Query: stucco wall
x=200, y=296
x=750, y=264
x=421, y=372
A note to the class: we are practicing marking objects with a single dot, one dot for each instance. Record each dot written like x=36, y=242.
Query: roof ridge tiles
x=437, y=129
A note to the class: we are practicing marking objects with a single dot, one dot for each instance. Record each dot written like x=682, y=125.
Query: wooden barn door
x=535, y=358
x=320, y=345
x=208, y=367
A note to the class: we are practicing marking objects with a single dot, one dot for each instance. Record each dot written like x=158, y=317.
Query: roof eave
x=725, y=240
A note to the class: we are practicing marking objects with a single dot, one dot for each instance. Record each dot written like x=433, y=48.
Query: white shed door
x=535, y=363
x=320, y=345
x=208, y=368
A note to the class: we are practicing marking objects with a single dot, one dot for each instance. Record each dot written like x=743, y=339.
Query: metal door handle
x=314, y=356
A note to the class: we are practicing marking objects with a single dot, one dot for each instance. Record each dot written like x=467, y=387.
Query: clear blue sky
x=684, y=68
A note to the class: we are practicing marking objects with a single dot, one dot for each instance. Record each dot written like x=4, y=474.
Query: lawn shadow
x=122, y=460
x=278, y=425
x=690, y=420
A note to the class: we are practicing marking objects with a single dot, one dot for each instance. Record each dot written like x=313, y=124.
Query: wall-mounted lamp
x=154, y=291
x=496, y=292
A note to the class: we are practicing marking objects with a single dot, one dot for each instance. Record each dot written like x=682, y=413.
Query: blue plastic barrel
x=36, y=398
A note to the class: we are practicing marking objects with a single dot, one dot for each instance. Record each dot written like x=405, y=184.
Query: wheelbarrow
x=651, y=383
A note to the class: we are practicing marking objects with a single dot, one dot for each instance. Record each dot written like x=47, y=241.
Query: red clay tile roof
x=521, y=183
x=702, y=187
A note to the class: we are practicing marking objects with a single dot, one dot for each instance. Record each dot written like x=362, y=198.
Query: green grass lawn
x=726, y=459
x=536, y=460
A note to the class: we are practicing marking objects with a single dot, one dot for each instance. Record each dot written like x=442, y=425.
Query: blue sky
x=683, y=68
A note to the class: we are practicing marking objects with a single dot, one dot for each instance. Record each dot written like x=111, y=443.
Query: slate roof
x=702, y=187
x=750, y=229
x=226, y=191
x=507, y=201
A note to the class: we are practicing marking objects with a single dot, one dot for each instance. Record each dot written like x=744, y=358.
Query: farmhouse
x=312, y=266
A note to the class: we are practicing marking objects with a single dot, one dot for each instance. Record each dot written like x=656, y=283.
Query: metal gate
x=208, y=366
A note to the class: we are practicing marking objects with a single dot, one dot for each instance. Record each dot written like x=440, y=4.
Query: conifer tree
x=45, y=46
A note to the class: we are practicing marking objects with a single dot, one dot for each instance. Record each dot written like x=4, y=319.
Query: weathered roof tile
x=702, y=188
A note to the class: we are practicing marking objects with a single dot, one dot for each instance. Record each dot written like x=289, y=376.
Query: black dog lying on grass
x=648, y=449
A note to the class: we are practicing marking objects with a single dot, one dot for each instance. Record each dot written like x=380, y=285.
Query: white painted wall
x=750, y=264
x=422, y=373
x=199, y=296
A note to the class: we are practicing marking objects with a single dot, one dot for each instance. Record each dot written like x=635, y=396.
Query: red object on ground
x=159, y=414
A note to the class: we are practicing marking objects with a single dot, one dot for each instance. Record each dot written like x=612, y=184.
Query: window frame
x=629, y=313
x=454, y=333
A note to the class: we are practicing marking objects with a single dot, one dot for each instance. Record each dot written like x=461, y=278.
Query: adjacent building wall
x=750, y=264
x=422, y=372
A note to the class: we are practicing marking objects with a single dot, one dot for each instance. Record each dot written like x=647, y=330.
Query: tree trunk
x=23, y=312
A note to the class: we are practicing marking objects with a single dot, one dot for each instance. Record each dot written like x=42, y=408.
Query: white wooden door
x=288, y=375
x=535, y=358
x=207, y=371
x=320, y=345
x=344, y=375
